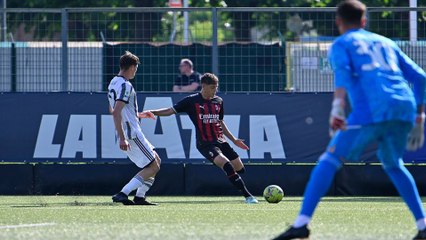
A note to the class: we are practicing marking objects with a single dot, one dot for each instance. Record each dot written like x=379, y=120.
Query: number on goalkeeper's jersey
x=382, y=56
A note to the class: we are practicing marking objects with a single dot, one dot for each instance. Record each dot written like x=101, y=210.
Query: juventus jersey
x=120, y=89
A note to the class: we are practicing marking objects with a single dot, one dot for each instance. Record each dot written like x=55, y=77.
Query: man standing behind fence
x=124, y=109
x=374, y=72
x=188, y=80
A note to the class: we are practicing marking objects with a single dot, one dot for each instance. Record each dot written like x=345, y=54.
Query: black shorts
x=211, y=151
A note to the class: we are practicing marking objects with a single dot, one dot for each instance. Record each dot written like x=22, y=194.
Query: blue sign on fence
x=62, y=127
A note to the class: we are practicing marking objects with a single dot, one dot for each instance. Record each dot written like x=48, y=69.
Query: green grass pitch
x=81, y=217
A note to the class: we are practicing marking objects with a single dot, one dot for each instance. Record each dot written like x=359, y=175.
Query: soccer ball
x=273, y=194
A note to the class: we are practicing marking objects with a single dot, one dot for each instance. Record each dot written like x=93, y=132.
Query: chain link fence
x=250, y=49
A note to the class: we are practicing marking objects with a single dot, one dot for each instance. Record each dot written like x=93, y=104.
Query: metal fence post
x=367, y=24
x=3, y=22
x=64, y=49
x=215, y=52
x=104, y=57
x=13, y=66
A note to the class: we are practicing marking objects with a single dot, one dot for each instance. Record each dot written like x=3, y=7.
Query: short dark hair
x=187, y=62
x=127, y=60
x=351, y=11
x=209, y=79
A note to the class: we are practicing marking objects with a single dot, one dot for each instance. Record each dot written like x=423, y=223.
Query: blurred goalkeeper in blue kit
x=375, y=75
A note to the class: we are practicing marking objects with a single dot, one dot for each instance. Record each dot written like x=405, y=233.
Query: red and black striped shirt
x=205, y=115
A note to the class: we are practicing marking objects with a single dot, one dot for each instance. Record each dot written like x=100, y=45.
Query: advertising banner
x=77, y=127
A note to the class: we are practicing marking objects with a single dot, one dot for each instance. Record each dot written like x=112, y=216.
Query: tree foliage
x=156, y=26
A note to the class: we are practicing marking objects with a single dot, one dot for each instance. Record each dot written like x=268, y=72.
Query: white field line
x=27, y=225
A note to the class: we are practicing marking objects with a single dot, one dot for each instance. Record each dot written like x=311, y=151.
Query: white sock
x=421, y=223
x=301, y=220
x=142, y=190
x=133, y=184
x=145, y=187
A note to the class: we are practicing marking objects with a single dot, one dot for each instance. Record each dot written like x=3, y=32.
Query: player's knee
x=242, y=170
x=158, y=160
x=328, y=157
x=155, y=167
x=220, y=160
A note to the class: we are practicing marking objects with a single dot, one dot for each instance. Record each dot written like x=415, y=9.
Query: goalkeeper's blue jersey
x=376, y=75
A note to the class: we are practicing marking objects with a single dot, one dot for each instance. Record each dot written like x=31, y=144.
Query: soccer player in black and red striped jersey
x=206, y=112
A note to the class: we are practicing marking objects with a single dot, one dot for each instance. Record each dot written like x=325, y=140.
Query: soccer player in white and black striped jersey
x=124, y=108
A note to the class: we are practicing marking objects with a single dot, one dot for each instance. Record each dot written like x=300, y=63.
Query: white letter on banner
x=187, y=124
x=44, y=147
x=170, y=139
x=81, y=137
x=109, y=147
x=233, y=123
x=259, y=127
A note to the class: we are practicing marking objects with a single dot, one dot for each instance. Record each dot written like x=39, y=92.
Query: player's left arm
x=239, y=142
x=415, y=75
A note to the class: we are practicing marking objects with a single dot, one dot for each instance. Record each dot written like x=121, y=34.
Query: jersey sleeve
x=221, y=112
x=341, y=65
x=123, y=92
x=182, y=106
x=413, y=74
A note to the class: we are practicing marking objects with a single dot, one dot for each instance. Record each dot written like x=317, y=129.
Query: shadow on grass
x=196, y=201
x=362, y=199
x=346, y=199
x=200, y=201
x=69, y=204
x=29, y=206
x=349, y=199
x=109, y=204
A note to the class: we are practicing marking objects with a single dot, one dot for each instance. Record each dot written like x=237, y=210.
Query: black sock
x=242, y=170
x=235, y=179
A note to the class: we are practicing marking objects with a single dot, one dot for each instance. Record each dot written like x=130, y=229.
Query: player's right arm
x=340, y=63
x=116, y=115
x=163, y=112
x=181, y=106
x=120, y=95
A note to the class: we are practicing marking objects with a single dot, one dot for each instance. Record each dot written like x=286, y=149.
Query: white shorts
x=141, y=151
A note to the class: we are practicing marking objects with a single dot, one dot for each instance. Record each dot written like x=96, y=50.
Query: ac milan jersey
x=205, y=115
